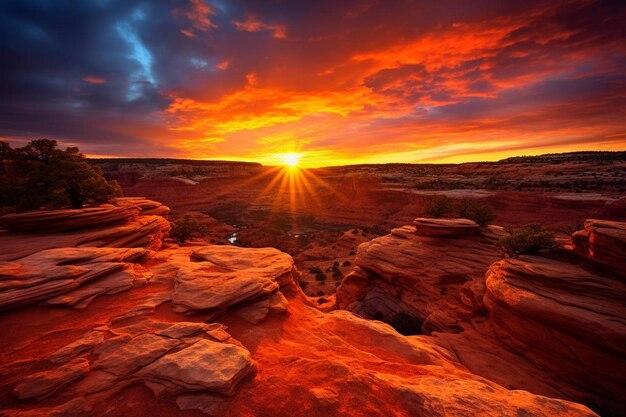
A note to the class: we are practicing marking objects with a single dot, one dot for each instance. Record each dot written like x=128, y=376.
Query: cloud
x=346, y=81
x=253, y=25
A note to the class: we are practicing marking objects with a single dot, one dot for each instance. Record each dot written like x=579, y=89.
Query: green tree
x=186, y=228
x=40, y=174
x=480, y=212
x=439, y=206
x=527, y=240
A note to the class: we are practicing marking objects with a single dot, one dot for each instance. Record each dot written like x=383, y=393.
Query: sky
x=338, y=81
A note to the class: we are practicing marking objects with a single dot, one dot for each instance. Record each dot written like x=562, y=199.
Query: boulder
x=220, y=277
x=204, y=366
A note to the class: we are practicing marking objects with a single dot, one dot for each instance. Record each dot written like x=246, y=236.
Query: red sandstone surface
x=430, y=318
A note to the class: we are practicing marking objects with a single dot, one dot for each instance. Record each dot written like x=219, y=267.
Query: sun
x=291, y=159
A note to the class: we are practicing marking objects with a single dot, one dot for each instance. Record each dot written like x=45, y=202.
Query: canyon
x=103, y=315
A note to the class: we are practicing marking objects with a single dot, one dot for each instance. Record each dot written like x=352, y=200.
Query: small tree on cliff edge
x=39, y=174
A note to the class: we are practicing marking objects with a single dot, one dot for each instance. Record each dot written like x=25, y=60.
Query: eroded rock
x=400, y=278
x=219, y=277
x=48, y=274
x=68, y=219
x=603, y=242
x=46, y=383
x=445, y=227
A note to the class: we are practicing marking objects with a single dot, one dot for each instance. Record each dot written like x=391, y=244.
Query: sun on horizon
x=291, y=159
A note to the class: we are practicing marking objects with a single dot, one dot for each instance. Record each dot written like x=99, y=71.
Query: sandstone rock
x=78, y=407
x=221, y=277
x=148, y=207
x=445, y=227
x=407, y=279
x=50, y=273
x=143, y=231
x=84, y=343
x=44, y=384
x=69, y=219
x=604, y=242
x=563, y=318
x=128, y=357
x=203, y=366
x=82, y=296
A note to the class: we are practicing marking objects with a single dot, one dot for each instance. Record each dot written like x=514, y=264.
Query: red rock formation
x=604, y=242
x=566, y=320
x=148, y=207
x=553, y=327
x=99, y=361
x=445, y=227
x=405, y=276
x=70, y=219
x=213, y=279
x=143, y=231
x=49, y=274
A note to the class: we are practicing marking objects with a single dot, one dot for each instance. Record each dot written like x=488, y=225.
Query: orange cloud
x=253, y=25
x=94, y=80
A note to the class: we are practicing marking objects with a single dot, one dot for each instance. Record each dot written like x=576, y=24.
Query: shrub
x=480, y=212
x=439, y=206
x=337, y=274
x=320, y=276
x=346, y=263
x=39, y=174
x=315, y=270
x=186, y=228
x=528, y=239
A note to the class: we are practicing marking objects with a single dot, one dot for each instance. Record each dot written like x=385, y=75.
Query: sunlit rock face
x=554, y=327
x=431, y=275
x=213, y=279
x=564, y=318
x=131, y=224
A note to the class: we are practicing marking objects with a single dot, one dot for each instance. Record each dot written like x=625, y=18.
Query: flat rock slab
x=204, y=366
x=221, y=277
x=179, y=357
x=445, y=227
x=128, y=357
x=44, y=384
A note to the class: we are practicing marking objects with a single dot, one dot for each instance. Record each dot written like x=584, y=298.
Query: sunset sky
x=338, y=81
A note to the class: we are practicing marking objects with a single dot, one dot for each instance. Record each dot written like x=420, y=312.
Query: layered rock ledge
x=69, y=219
x=213, y=279
x=400, y=278
x=555, y=327
x=603, y=242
